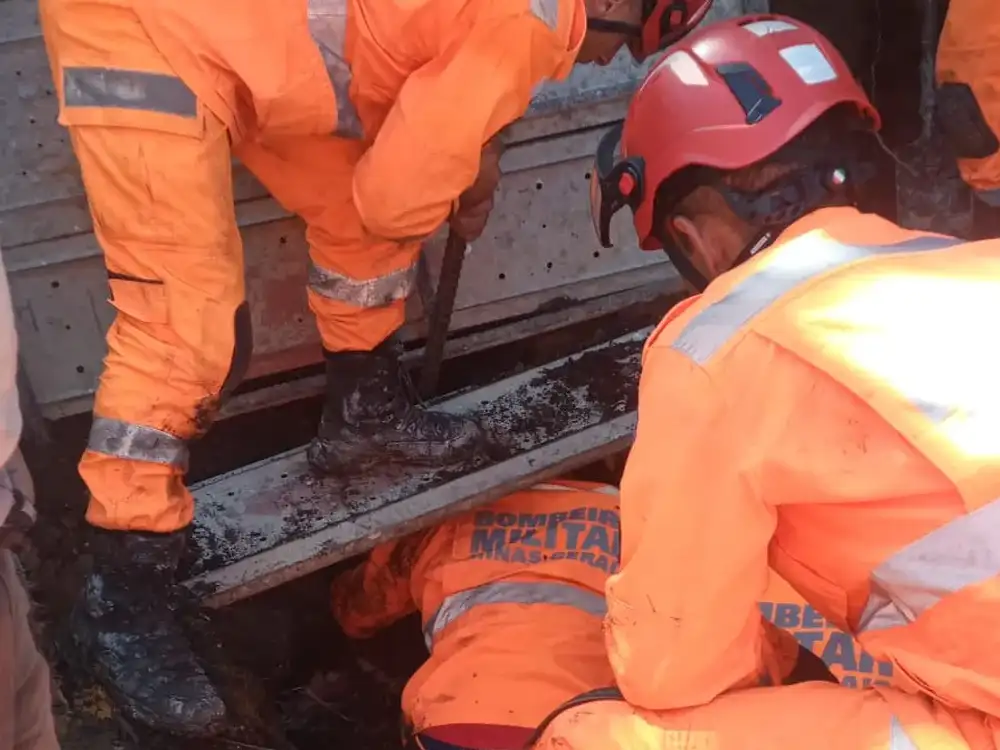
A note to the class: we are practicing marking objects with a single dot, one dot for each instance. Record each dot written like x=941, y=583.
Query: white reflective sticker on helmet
x=763, y=28
x=686, y=69
x=810, y=63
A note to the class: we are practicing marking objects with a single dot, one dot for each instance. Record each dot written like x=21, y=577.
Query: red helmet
x=727, y=96
x=663, y=23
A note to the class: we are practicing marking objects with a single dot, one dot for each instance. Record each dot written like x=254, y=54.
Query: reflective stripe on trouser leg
x=513, y=592
x=181, y=337
x=357, y=283
x=377, y=292
x=149, y=493
x=359, y=314
x=135, y=442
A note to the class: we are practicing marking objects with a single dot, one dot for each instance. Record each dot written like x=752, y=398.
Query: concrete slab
x=274, y=521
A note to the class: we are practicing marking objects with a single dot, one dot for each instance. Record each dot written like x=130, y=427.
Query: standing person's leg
x=358, y=285
x=25, y=693
x=156, y=166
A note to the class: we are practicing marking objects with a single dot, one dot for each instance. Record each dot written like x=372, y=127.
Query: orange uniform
x=511, y=600
x=367, y=119
x=830, y=408
x=968, y=95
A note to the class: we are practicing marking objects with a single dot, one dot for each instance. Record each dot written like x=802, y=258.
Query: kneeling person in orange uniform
x=371, y=120
x=512, y=600
x=827, y=406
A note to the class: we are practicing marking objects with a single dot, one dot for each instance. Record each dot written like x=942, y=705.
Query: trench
x=290, y=677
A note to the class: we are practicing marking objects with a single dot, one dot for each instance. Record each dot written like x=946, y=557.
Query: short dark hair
x=840, y=130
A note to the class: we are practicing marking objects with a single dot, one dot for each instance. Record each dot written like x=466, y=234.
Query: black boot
x=369, y=420
x=125, y=626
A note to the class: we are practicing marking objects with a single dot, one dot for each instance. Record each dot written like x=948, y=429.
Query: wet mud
x=283, y=505
x=236, y=518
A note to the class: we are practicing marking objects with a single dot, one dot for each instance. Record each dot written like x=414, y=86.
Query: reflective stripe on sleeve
x=962, y=553
x=511, y=592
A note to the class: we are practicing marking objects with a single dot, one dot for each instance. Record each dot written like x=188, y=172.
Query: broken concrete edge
x=357, y=535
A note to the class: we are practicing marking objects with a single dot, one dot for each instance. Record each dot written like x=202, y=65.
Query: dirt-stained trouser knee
x=25, y=697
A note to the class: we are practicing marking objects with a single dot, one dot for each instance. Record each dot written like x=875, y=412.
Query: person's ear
x=710, y=243
x=691, y=242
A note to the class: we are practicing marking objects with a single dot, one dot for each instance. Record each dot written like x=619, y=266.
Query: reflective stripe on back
x=796, y=262
x=136, y=442
x=128, y=89
x=513, y=592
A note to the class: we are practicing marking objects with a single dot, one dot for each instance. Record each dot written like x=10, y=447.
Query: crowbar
x=440, y=317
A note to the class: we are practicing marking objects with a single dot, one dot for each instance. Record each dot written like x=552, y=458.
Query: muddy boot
x=369, y=420
x=125, y=626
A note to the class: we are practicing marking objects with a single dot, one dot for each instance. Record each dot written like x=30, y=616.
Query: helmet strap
x=695, y=278
x=685, y=267
x=614, y=27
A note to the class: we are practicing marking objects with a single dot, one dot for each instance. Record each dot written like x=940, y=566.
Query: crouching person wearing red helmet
x=827, y=406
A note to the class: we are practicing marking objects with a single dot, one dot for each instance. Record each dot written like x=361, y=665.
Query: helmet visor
x=667, y=22
x=605, y=192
